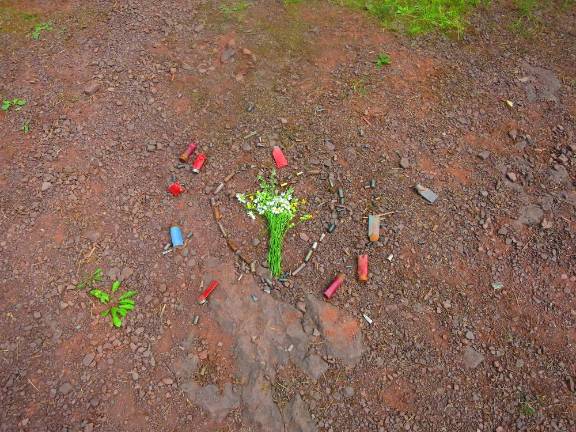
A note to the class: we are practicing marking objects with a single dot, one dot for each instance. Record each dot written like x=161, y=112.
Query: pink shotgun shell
x=279, y=157
x=204, y=296
x=331, y=290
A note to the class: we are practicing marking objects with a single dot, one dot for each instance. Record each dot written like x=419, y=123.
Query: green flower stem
x=278, y=225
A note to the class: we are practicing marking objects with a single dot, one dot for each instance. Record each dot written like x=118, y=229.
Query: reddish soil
x=473, y=298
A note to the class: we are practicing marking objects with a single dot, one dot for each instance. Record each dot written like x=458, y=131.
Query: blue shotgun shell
x=176, y=236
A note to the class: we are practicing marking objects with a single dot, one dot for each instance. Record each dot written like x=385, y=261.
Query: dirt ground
x=472, y=299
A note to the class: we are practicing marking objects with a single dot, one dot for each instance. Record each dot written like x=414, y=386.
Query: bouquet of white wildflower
x=279, y=209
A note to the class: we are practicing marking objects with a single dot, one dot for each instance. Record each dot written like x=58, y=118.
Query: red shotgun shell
x=279, y=157
x=175, y=189
x=188, y=152
x=362, y=268
x=334, y=285
x=198, y=162
x=204, y=296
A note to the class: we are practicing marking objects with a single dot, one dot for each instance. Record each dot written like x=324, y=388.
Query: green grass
x=419, y=16
x=39, y=28
x=234, y=8
x=15, y=21
x=382, y=60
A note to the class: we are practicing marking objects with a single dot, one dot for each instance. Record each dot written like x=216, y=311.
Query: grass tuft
x=418, y=16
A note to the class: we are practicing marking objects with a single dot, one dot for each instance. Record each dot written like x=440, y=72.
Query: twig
x=32, y=384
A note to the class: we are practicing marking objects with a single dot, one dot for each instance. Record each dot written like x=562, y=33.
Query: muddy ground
x=472, y=298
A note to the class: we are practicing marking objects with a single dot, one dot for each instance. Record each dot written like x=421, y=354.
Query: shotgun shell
x=314, y=245
x=198, y=162
x=204, y=296
x=279, y=157
x=372, y=184
x=229, y=177
x=331, y=227
x=219, y=188
x=340, y=193
x=322, y=236
x=186, y=155
x=299, y=269
x=331, y=290
x=232, y=245
x=176, y=236
x=362, y=268
x=308, y=255
x=217, y=213
x=175, y=189
x=374, y=227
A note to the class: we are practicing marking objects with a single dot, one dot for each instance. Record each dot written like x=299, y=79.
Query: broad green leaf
x=105, y=313
x=116, y=320
x=6, y=105
x=19, y=102
x=116, y=285
x=126, y=306
x=97, y=275
x=100, y=295
x=128, y=294
x=122, y=311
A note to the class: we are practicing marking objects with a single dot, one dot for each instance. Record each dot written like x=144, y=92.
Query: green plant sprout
x=90, y=280
x=39, y=28
x=122, y=304
x=26, y=126
x=278, y=209
x=9, y=103
x=383, y=60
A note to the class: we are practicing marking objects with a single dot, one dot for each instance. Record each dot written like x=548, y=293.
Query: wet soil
x=472, y=298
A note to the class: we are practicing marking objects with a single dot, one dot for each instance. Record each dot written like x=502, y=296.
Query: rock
x=511, y=176
x=301, y=306
x=91, y=88
x=329, y=145
x=543, y=84
x=569, y=197
x=209, y=398
x=531, y=215
x=472, y=358
x=186, y=367
x=297, y=418
x=558, y=174
x=341, y=332
x=404, y=163
x=348, y=391
x=484, y=155
x=315, y=366
x=37, y=315
x=126, y=273
x=261, y=411
x=227, y=54
x=469, y=335
x=88, y=359
x=45, y=186
x=150, y=147
x=513, y=134
x=89, y=427
x=65, y=388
